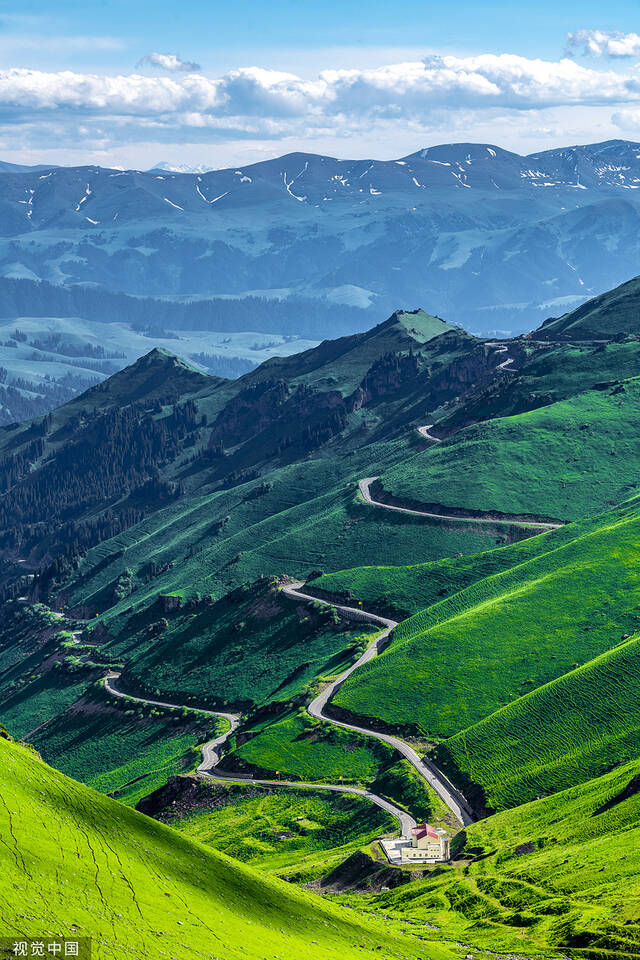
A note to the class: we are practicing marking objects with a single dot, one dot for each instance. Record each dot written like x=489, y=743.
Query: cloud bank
x=602, y=43
x=413, y=88
x=252, y=103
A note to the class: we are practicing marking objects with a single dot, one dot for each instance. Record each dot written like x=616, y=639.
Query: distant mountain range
x=487, y=238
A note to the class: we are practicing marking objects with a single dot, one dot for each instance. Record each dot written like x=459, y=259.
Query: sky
x=131, y=83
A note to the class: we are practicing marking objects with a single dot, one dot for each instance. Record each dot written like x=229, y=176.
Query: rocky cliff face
x=385, y=378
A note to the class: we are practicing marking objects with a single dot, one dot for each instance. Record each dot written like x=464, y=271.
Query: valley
x=390, y=579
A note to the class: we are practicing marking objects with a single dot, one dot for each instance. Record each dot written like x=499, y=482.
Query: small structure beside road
x=426, y=844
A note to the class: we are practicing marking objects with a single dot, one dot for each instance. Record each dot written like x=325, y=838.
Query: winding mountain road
x=212, y=751
x=365, y=484
x=212, y=754
x=505, y=363
x=318, y=707
x=424, y=432
x=501, y=348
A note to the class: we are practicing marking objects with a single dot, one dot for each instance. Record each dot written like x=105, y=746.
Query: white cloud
x=396, y=102
x=412, y=89
x=603, y=43
x=169, y=61
x=628, y=120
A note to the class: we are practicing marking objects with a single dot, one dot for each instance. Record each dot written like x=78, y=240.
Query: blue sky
x=213, y=83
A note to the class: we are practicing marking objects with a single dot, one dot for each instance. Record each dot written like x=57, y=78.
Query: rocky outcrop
x=360, y=873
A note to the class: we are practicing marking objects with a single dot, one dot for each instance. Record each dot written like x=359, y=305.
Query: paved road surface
x=424, y=432
x=365, y=484
x=317, y=708
x=505, y=364
x=213, y=749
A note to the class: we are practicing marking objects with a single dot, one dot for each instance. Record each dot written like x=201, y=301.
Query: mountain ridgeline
x=160, y=429
x=379, y=233
x=214, y=265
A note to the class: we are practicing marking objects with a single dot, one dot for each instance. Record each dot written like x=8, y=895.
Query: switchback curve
x=212, y=754
x=364, y=486
x=318, y=707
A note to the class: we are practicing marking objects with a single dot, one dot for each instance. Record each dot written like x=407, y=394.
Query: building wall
x=433, y=851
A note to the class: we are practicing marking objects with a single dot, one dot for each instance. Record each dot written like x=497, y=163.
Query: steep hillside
x=482, y=493
x=612, y=315
x=562, y=461
x=92, y=468
x=298, y=834
x=402, y=591
x=570, y=730
x=151, y=890
x=507, y=633
x=220, y=483
x=160, y=433
x=556, y=874
x=248, y=649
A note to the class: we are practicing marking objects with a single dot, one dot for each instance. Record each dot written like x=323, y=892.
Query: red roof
x=425, y=829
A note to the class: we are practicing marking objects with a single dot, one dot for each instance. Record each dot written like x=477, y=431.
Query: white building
x=428, y=845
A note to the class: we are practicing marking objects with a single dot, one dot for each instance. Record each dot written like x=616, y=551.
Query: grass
x=408, y=589
x=152, y=891
x=342, y=364
x=308, y=520
x=559, y=874
x=297, y=833
x=401, y=783
x=41, y=672
x=31, y=639
x=513, y=658
x=301, y=748
x=492, y=642
x=568, y=731
x=298, y=747
x=42, y=699
x=120, y=749
x=611, y=314
x=567, y=460
x=251, y=647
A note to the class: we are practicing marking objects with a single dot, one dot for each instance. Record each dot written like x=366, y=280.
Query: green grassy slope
x=199, y=442
x=609, y=315
x=405, y=590
x=558, y=873
x=41, y=700
x=303, y=749
x=151, y=891
x=568, y=731
x=515, y=655
x=249, y=648
x=565, y=461
x=493, y=641
x=341, y=364
x=292, y=832
x=309, y=519
x=122, y=748
x=42, y=669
